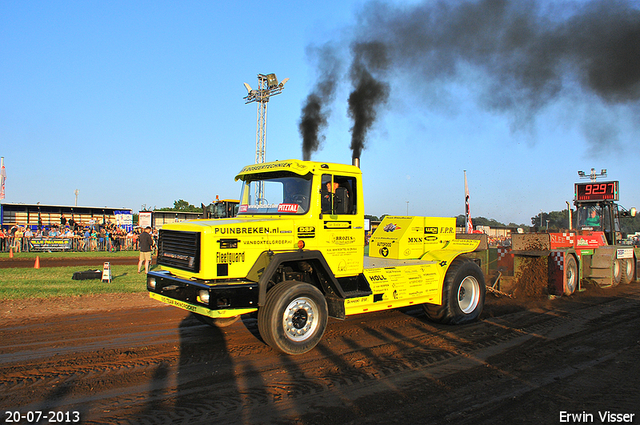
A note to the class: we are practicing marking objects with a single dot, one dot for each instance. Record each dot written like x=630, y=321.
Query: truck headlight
x=151, y=283
x=203, y=296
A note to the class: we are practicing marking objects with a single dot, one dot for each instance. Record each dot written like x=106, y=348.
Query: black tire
x=218, y=322
x=463, y=293
x=628, y=266
x=293, y=318
x=570, y=275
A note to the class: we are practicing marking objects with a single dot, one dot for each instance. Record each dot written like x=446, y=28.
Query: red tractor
x=593, y=250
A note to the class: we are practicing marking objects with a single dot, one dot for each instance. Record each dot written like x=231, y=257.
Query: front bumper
x=214, y=300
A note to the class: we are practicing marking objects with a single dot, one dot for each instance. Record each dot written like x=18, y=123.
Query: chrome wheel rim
x=468, y=294
x=299, y=319
x=571, y=279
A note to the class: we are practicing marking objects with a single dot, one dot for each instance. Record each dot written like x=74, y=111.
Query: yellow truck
x=295, y=255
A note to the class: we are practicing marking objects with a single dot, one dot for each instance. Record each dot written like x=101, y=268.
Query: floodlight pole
x=267, y=86
x=593, y=175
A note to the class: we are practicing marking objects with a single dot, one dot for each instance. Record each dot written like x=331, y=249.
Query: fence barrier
x=71, y=244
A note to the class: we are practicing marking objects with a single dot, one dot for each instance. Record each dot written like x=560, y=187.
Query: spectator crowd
x=89, y=237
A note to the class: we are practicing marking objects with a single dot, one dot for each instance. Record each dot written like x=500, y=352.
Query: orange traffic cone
x=37, y=264
x=11, y=252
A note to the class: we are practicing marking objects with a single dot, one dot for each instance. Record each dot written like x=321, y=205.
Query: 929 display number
x=35, y=416
x=597, y=191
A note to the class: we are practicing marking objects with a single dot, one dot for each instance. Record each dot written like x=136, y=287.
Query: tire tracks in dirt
x=158, y=366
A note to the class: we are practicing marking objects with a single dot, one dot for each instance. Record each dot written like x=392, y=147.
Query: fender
x=268, y=263
x=451, y=251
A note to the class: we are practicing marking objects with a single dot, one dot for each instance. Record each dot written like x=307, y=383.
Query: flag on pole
x=467, y=212
x=3, y=177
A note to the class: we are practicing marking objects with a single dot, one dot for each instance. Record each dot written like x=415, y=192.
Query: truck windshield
x=219, y=210
x=275, y=193
x=589, y=217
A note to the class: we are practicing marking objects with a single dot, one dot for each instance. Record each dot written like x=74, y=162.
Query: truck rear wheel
x=218, y=322
x=463, y=294
x=570, y=275
x=628, y=266
x=293, y=318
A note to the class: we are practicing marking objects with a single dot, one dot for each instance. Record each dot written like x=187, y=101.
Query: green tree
x=630, y=225
x=554, y=220
x=182, y=205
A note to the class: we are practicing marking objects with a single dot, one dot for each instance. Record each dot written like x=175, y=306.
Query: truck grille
x=180, y=250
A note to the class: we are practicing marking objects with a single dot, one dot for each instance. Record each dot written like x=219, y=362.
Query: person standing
x=146, y=243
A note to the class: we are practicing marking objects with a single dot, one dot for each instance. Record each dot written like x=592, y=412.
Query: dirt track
x=523, y=363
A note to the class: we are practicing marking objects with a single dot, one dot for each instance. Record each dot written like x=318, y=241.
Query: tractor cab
x=221, y=208
x=596, y=208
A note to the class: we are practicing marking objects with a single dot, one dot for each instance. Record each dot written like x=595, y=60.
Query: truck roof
x=298, y=167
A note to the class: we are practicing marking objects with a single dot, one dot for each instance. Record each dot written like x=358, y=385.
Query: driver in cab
x=593, y=220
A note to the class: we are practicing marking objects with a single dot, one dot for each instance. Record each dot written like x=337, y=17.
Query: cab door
x=342, y=226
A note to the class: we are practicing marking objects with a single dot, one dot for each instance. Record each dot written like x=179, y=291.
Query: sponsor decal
x=430, y=238
x=52, y=244
x=337, y=225
x=387, y=244
x=267, y=242
x=230, y=257
x=415, y=240
x=430, y=230
x=258, y=167
x=624, y=253
x=243, y=230
x=343, y=240
x=288, y=208
x=243, y=208
x=588, y=241
x=384, y=251
x=391, y=227
x=306, y=232
x=377, y=278
x=179, y=304
x=447, y=230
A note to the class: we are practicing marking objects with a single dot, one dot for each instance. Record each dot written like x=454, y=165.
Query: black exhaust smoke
x=315, y=110
x=514, y=56
x=368, y=93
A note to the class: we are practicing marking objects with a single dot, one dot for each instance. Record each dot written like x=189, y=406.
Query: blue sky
x=141, y=103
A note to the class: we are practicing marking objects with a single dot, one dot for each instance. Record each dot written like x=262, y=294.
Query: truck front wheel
x=293, y=318
x=463, y=294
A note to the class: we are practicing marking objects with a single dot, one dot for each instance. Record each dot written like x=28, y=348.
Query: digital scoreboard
x=597, y=191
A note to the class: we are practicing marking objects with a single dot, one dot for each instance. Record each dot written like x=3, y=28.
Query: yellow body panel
x=400, y=283
x=402, y=237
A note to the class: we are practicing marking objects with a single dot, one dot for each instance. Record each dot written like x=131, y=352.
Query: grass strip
x=72, y=254
x=26, y=283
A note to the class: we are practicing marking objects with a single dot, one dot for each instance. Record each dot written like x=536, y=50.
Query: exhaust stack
x=356, y=162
